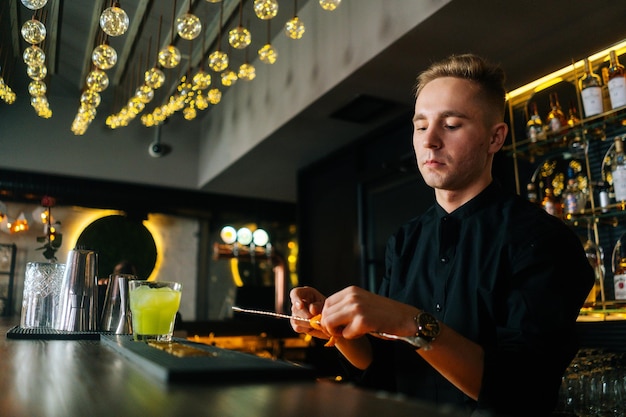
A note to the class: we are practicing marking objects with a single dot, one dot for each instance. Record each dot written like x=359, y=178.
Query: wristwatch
x=427, y=329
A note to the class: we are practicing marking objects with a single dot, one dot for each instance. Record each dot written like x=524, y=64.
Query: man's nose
x=430, y=139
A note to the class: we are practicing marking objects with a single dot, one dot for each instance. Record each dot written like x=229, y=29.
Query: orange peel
x=315, y=323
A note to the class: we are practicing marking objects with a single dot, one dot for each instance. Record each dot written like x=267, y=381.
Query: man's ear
x=498, y=136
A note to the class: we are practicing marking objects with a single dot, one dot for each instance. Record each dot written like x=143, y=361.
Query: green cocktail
x=153, y=306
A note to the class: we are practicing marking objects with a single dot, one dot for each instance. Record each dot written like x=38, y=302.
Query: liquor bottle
x=619, y=269
x=534, y=126
x=606, y=98
x=603, y=195
x=531, y=193
x=556, y=118
x=551, y=204
x=617, y=82
x=572, y=119
x=595, y=256
x=572, y=198
x=591, y=91
x=618, y=170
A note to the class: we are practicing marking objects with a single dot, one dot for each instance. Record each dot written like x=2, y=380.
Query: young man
x=489, y=282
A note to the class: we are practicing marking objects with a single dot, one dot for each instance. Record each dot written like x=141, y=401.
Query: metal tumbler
x=116, y=310
x=78, y=295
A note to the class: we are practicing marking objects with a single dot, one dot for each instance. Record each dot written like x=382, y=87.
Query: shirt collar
x=492, y=192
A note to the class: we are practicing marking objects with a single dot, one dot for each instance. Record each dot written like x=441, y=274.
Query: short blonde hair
x=489, y=77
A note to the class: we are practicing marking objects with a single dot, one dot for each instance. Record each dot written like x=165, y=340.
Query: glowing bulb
x=247, y=72
x=265, y=9
x=34, y=55
x=260, y=237
x=154, y=78
x=188, y=26
x=37, y=72
x=218, y=61
x=97, y=80
x=37, y=88
x=214, y=96
x=244, y=236
x=104, y=57
x=294, y=28
x=229, y=78
x=114, y=21
x=144, y=94
x=169, y=57
x=267, y=54
x=33, y=31
x=239, y=37
x=201, y=80
x=330, y=5
x=34, y=4
x=228, y=235
x=90, y=99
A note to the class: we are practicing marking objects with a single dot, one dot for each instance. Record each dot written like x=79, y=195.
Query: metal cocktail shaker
x=78, y=296
x=116, y=311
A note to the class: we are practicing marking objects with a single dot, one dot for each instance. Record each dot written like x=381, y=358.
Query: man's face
x=451, y=136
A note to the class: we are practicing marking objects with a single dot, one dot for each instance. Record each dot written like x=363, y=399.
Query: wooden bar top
x=67, y=378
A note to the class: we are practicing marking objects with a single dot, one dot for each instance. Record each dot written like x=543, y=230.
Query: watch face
x=428, y=325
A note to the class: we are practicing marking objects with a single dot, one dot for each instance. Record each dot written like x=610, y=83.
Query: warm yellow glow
x=551, y=79
x=73, y=232
x=234, y=269
x=152, y=227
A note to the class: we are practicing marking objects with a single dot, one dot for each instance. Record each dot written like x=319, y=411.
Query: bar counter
x=67, y=378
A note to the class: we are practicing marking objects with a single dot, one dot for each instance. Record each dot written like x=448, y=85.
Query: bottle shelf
x=571, y=169
x=602, y=127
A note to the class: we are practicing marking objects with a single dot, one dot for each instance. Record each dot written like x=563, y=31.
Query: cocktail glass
x=153, y=307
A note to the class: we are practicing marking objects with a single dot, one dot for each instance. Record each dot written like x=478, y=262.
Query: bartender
x=489, y=283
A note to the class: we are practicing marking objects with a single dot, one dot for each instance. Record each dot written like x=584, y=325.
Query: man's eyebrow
x=443, y=115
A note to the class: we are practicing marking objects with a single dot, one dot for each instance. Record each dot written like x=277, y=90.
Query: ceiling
x=529, y=38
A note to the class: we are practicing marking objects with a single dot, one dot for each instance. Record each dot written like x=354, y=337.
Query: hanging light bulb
x=247, y=72
x=188, y=26
x=190, y=113
x=239, y=37
x=154, y=78
x=34, y=4
x=214, y=96
x=265, y=9
x=330, y=5
x=37, y=88
x=267, y=54
x=34, y=55
x=90, y=98
x=144, y=93
x=294, y=28
x=218, y=61
x=201, y=80
x=228, y=78
x=20, y=224
x=97, y=80
x=169, y=57
x=33, y=31
x=213, y=1
x=37, y=72
x=114, y=21
x=104, y=57
x=201, y=102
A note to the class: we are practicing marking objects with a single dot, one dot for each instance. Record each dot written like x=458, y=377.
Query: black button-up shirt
x=504, y=274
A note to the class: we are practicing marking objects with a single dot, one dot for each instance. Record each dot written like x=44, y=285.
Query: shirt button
x=438, y=307
x=444, y=260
